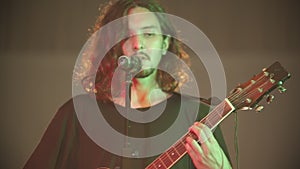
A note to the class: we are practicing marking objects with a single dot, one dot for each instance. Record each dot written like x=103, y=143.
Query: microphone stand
x=128, y=84
x=127, y=149
x=131, y=66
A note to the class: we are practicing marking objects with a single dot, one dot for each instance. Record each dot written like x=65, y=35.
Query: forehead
x=140, y=18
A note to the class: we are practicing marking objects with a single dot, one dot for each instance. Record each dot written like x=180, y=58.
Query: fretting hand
x=207, y=154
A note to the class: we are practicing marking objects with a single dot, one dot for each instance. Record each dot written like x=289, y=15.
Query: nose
x=138, y=43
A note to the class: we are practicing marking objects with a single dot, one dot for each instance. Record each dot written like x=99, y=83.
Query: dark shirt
x=66, y=144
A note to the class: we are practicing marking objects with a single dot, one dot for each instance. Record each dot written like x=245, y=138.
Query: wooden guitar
x=243, y=97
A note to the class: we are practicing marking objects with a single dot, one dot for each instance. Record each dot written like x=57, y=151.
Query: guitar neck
x=177, y=151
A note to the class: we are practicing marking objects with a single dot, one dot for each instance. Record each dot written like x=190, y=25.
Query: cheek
x=156, y=48
x=157, y=43
x=125, y=48
x=156, y=57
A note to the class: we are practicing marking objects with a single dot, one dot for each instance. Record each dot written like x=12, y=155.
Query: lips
x=143, y=56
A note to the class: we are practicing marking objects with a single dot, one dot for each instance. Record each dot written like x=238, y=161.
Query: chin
x=145, y=73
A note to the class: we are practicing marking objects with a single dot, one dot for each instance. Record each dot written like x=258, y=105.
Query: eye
x=149, y=35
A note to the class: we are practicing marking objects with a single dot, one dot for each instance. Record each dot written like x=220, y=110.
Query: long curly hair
x=104, y=73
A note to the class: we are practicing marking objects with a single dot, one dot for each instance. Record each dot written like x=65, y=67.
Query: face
x=145, y=40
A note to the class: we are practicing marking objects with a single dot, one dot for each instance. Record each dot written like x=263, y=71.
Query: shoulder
x=192, y=99
x=204, y=106
x=69, y=108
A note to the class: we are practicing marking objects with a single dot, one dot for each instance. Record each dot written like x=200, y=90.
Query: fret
x=166, y=160
x=180, y=147
x=151, y=166
x=173, y=154
x=194, y=136
x=208, y=122
x=160, y=164
x=218, y=114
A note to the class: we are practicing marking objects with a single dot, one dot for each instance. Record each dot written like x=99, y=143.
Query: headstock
x=247, y=95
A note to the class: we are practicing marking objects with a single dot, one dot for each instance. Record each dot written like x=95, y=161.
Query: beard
x=145, y=73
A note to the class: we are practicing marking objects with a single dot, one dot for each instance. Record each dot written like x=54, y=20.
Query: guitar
x=244, y=97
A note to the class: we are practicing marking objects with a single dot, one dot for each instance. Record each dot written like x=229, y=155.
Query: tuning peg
x=246, y=108
x=281, y=89
x=259, y=108
x=235, y=90
x=270, y=98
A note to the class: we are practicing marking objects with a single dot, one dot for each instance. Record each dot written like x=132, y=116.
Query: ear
x=165, y=45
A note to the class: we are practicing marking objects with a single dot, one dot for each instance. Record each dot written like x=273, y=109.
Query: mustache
x=142, y=55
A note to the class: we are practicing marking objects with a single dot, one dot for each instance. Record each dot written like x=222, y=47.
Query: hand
x=207, y=154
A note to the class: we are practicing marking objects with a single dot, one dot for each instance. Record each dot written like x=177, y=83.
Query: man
x=67, y=145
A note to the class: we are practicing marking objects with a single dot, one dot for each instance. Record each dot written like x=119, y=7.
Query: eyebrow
x=149, y=27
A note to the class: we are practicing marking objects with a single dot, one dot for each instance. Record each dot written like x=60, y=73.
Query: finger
x=192, y=154
x=190, y=151
x=204, y=136
x=207, y=133
x=202, y=132
x=195, y=147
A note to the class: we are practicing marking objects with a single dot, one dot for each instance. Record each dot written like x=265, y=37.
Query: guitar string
x=215, y=117
x=179, y=145
x=249, y=93
x=244, y=96
x=179, y=150
x=235, y=96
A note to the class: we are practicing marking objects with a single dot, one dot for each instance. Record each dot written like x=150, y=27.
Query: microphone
x=130, y=64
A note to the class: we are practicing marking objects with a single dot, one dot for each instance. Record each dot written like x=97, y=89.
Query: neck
x=145, y=92
x=142, y=89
